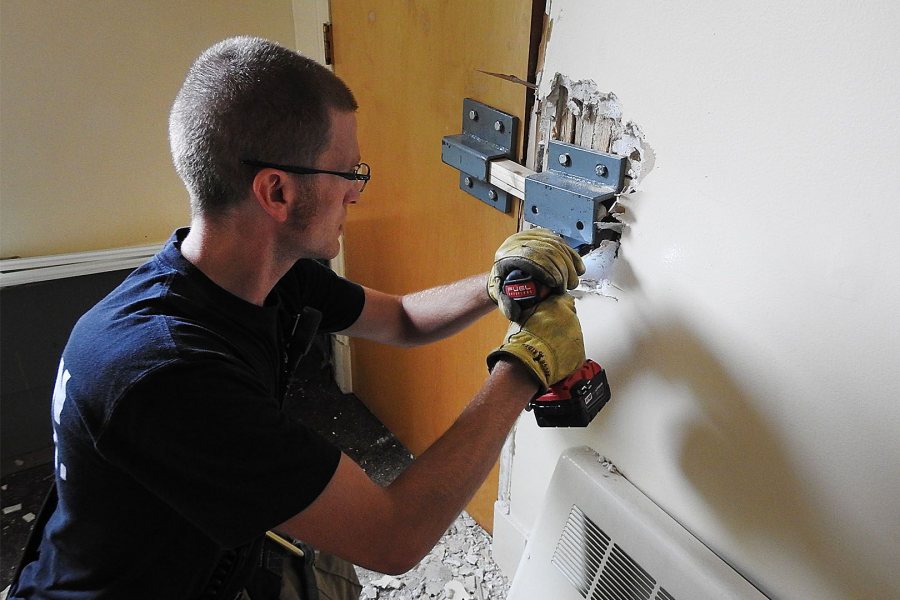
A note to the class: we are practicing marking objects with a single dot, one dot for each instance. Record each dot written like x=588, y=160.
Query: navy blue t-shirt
x=171, y=445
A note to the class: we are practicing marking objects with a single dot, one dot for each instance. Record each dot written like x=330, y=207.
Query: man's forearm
x=390, y=529
x=442, y=480
x=422, y=317
x=439, y=312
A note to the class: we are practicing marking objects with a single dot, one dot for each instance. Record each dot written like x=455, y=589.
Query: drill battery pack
x=574, y=401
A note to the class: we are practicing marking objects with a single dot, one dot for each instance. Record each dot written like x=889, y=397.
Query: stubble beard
x=298, y=230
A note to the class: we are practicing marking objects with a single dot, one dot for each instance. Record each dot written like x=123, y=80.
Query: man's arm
x=390, y=529
x=422, y=317
x=439, y=312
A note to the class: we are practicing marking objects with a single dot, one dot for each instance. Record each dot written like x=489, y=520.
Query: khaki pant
x=335, y=580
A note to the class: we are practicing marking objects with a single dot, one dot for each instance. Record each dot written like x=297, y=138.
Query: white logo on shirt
x=59, y=400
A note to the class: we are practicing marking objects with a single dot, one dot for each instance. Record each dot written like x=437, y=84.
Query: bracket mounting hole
x=534, y=209
x=579, y=225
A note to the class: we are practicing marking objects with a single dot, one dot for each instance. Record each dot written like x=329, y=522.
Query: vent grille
x=599, y=568
x=580, y=550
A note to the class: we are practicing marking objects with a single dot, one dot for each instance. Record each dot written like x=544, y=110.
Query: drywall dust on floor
x=459, y=567
x=21, y=494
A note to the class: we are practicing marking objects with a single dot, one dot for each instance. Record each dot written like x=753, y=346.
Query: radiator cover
x=600, y=538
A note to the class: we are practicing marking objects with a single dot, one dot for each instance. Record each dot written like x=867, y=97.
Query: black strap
x=283, y=573
x=236, y=567
x=306, y=324
x=298, y=337
x=31, y=552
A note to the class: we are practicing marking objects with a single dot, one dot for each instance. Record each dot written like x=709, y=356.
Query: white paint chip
x=12, y=508
x=454, y=590
x=387, y=582
x=28, y=517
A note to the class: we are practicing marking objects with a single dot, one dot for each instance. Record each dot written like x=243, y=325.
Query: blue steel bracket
x=568, y=197
x=487, y=134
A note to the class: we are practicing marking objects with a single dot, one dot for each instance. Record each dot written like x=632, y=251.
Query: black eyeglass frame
x=354, y=175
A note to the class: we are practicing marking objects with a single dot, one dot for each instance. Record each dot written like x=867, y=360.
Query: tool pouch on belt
x=283, y=574
x=232, y=572
x=264, y=570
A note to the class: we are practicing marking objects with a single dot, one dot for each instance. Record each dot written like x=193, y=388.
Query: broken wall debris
x=459, y=567
x=578, y=112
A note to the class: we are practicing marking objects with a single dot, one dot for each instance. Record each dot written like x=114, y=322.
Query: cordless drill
x=574, y=401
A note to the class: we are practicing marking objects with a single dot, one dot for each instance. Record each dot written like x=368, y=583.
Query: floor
x=459, y=568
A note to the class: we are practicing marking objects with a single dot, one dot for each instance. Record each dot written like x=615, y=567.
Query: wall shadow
x=734, y=458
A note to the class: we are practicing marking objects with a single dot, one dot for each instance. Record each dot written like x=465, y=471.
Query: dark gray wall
x=35, y=321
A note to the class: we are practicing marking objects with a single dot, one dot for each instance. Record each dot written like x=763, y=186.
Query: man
x=173, y=454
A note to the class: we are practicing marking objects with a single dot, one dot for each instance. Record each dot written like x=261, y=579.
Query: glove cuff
x=534, y=365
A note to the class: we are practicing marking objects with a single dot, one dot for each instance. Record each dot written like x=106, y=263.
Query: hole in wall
x=579, y=113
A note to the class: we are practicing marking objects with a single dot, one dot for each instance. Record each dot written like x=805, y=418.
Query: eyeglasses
x=360, y=173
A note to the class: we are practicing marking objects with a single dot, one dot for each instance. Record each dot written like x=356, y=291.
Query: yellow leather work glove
x=549, y=341
x=540, y=253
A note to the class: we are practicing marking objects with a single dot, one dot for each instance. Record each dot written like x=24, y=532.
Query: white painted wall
x=754, y=348
x=85, y=93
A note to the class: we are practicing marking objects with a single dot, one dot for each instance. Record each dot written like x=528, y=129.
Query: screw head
x=564, y=160
x=492, y=194
x=498, y=126
x=473, y=115
x=468, y=181
x=601, y=170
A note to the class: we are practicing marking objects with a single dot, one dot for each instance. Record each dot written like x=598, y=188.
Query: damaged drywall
x=578, y=112
x=596, y=279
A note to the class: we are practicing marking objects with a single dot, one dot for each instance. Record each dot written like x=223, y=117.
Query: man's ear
x=269, y=189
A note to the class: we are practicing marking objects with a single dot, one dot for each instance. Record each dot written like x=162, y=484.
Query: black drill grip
x=523, y=289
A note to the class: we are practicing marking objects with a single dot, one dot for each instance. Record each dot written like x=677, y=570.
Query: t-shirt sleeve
x=217, y=449
x=310, y=283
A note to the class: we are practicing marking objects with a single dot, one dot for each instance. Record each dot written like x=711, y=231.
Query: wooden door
x=410, y=65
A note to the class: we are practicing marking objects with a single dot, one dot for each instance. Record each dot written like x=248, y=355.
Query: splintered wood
x=578, y=113
x=576, y=122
